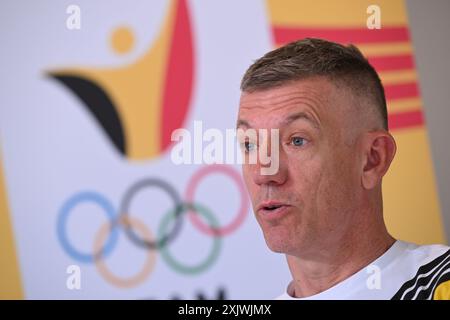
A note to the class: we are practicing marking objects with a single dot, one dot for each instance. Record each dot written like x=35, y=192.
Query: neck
x=340, y=259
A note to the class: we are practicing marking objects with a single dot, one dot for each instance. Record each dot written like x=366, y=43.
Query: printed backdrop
x=86, y=118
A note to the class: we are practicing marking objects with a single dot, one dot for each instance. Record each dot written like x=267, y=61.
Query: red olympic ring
x=190, y=194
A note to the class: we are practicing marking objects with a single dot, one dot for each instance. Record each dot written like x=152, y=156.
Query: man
x=323, y=207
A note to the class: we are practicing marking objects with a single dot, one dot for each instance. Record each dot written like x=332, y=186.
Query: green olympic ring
x=217, y=243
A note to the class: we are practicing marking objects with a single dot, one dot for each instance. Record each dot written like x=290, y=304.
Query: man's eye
x=298, y=141
x=248, y=146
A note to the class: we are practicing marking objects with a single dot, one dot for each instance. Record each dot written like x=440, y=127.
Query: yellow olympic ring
x=102, y=268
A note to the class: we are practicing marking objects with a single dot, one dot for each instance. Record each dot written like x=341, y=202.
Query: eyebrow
x=300, y=115
x=287, y=121
x=242, y=123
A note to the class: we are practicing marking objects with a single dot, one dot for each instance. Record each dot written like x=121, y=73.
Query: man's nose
x=274, y=179
x=263, y=172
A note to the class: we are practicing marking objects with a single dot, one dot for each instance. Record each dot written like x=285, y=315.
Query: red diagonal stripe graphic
x=406, y=119
x=389, y=63
x=343, y=35
x=402, y=90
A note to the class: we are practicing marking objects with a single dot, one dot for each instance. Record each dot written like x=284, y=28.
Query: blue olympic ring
x=87, y=196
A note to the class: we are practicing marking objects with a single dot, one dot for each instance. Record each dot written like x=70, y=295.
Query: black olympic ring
x=124, y=213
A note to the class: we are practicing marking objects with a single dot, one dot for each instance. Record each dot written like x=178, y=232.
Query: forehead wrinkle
x=252, y=102
x=302, y=115
x=292, y=102
x=279, y=100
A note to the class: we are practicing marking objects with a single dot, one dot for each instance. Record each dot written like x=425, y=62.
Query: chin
x=280, y=240
x=278, y=243
x=276, y=248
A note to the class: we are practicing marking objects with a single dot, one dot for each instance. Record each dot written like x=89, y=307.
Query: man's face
x=310, y=201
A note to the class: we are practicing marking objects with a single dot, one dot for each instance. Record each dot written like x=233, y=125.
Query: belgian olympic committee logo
x=138, y=105
x=137, y=232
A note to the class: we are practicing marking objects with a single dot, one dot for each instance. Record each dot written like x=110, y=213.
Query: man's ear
x=379, y=150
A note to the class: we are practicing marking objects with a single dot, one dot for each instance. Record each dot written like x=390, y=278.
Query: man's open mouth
x=272, y=207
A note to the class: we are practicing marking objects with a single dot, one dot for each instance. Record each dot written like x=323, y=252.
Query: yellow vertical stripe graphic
x=10, y=283
x=409, y=191
x=411, y=205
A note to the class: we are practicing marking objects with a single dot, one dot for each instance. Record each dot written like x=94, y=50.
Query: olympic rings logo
x=107, y=236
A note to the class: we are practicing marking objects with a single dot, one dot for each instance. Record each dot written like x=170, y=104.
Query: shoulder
x=431, y=280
